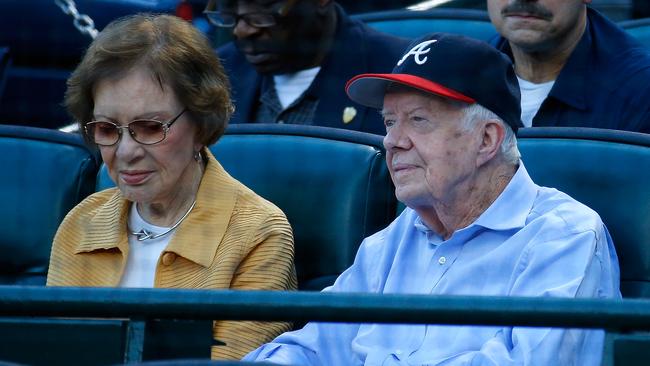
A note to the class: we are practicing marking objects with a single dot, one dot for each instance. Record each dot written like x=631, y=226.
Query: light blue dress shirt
x=532, y=241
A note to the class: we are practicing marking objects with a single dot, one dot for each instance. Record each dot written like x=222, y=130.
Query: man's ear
x=492, y=134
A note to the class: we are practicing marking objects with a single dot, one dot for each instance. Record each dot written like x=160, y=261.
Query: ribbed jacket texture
x=233, y=239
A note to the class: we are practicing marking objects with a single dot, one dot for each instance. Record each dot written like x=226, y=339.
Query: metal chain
x=82, y=22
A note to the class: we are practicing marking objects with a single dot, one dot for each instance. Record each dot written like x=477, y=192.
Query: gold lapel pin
x=348, y=114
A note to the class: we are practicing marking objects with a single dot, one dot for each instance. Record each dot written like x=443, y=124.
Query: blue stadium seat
x=4, y=65
x=608, y=171
x=64, y=342
x=45, y=47
x=638, y=28
x=45, y=174
x=411, y=23
x=332, y=184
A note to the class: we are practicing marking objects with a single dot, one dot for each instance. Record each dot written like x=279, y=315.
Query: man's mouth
x=257, y=57
x=398, y=167
x=526, y=10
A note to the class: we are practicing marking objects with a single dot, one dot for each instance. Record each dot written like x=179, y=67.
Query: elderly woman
x=152, y=95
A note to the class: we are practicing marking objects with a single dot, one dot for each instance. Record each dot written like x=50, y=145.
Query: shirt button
x=442, y=260
x=168, y=258
x=398, y=352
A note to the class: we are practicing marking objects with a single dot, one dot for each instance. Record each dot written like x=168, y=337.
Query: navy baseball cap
x=451, y=66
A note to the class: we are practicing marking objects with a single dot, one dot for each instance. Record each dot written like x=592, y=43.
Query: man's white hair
x=476, y=112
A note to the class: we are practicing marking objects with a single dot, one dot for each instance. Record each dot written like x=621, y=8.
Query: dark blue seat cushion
x=411, y=24
x=608, y=171
x=639, y=29
x=45, y=47
x=45, y=174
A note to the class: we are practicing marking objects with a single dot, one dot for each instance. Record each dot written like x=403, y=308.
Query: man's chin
x=272, y=68
x=530, y=40
x=264, y=63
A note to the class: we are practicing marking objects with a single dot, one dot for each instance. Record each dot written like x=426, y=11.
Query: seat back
x=639, y=29
x=63, y=342
x=608, y=171
x=411, y=24
x=45, y=47
x=332, y=184
x=4, y=65
x=45, y=174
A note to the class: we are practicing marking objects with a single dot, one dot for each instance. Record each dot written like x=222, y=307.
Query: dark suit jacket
x=357, y=49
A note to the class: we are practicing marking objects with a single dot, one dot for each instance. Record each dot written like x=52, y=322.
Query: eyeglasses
x=226, y=19
x=143, y=131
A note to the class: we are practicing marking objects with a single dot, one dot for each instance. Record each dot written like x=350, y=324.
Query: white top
x=291, y=86
x=532, y=96
x=143, y=257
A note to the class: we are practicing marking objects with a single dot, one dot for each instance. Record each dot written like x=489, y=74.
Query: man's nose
x=242, y=29
x=395, y=137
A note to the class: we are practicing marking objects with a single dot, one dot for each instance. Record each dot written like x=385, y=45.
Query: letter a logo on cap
x=418, y=51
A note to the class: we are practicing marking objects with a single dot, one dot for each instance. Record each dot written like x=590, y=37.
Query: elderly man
x=475, y=224
x=290, y=59
x=575, y=67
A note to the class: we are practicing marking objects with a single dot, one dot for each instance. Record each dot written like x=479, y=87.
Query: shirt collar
x=420, y=225
x=509, y=211
x=572, y=82
x=512, y=207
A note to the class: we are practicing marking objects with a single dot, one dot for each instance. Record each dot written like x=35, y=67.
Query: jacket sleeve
x=268, y=265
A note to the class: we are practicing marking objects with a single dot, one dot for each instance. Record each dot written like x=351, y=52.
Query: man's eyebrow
x=383, y=112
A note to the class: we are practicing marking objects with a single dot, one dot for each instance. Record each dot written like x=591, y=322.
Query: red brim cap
x=369, y=89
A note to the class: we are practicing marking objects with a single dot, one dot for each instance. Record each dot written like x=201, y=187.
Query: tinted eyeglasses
x=228, y=19
x=143, y=131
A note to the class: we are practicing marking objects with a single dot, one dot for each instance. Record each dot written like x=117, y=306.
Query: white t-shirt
x=143, y=257
x=532, y=96
x=291, y=86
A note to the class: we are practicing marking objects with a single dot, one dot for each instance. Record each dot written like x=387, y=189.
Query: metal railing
x=617, y=317
x=626, y=314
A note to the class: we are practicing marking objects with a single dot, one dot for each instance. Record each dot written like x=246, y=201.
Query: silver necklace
x=143, y=234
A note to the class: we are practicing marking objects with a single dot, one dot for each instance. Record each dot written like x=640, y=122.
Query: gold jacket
x=232, y=239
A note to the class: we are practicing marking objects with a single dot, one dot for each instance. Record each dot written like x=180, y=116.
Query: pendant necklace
x=143, y=234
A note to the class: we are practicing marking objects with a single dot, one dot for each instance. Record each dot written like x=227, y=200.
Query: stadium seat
x=45, y=174
x=608, y=171
x=63, y=342
x=4, y=65
x=638, y=28
x=411, y=23
x=45, y=47
x=332, y=184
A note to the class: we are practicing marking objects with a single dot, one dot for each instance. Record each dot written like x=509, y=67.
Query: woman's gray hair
x=476, y=112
